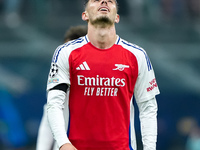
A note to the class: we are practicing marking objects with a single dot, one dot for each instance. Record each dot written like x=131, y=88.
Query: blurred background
x=169, y=30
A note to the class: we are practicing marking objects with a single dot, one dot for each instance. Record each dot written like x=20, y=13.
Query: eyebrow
x=87, y=1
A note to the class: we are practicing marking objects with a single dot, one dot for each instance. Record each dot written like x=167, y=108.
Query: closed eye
x=111, y=1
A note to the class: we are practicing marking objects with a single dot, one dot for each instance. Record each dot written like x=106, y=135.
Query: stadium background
x=30, y=30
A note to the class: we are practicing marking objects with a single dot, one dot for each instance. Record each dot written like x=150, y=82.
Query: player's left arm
x=148, y=121
x=145, y=91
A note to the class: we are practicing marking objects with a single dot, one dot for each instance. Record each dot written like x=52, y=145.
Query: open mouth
x=104, y=9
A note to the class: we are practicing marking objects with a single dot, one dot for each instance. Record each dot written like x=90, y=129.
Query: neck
x=102, y=37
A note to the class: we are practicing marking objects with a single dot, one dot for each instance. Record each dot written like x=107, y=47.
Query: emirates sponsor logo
x=100, y=86
x=100, y=81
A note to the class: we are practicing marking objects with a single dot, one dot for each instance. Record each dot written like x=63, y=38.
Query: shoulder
x=66, y=48
x=138, y=51
x=74, y=44
x=135, y=49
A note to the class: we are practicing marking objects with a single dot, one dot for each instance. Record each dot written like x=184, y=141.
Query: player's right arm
x=67, y=146
x=56, y=119
x=57, y=85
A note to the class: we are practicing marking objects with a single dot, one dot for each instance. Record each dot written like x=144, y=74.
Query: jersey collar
x=116, y=42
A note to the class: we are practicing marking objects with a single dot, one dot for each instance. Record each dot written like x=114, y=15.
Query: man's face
x=101, y=12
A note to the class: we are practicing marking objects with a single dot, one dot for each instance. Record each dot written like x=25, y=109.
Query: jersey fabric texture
x=102, y=84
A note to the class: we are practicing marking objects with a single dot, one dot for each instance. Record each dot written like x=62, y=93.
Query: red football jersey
x=102, y=84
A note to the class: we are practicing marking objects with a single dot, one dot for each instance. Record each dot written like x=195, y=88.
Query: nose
x=104, y=1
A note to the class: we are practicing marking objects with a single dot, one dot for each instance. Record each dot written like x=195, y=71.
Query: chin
x=102, y=20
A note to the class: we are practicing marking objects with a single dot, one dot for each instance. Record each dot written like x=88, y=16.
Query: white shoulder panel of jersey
x=138, y=51
x=59, y=71
x=146, y=86
x=69, y=47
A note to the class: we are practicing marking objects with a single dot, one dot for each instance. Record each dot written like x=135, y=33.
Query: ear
x=117, y=18
x=85, y=16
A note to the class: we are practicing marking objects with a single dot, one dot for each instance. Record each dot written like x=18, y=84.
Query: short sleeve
x=146, y=86
x=59, y=70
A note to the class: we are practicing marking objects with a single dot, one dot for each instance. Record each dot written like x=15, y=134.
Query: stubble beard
x=102, y=21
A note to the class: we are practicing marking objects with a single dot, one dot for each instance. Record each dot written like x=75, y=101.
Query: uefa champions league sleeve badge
x=54, y=70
